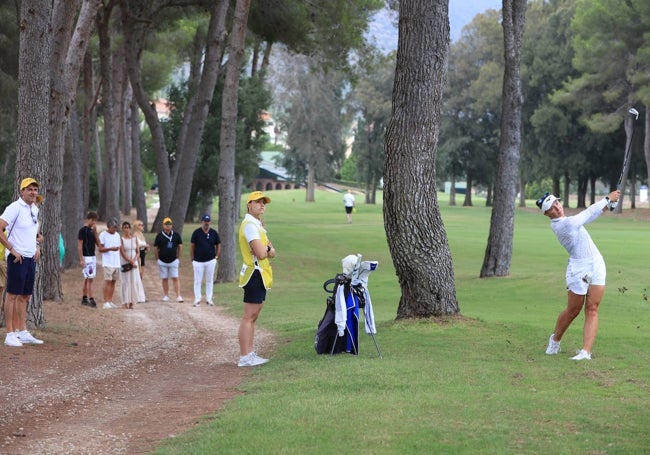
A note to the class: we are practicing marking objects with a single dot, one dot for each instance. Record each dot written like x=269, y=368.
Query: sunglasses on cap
x=540, y=201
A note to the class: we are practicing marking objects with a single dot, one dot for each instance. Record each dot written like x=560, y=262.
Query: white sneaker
x=179, y=299
x=553, y=346
x=196, y=304
x=26, y=338
x=582, y=355
x=165, y=299
x=107, y=306
x=210, y=303
x=113, y=305
x=251, y=360
x=12, y=340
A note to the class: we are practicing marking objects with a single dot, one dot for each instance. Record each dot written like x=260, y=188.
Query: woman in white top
x=585, y=274
x=132, y=290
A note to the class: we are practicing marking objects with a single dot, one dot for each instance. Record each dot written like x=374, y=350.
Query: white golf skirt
x=580, y=273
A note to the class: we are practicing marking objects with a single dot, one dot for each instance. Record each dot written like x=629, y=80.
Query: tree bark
x=32, y=137
x=109, y=192
x=498, y=252
x=228, y=205
x=70, y=41
x=136, y=164
x=414, y=228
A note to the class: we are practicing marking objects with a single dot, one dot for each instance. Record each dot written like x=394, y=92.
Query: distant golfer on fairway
x=585, y=274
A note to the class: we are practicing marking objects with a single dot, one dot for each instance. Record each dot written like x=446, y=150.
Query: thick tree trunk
x=414, y=228
x=227, y=271
x=498, y=252
x=32, y=137
x=71, y=29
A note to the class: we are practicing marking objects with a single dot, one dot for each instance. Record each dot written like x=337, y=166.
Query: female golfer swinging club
x=585, y=274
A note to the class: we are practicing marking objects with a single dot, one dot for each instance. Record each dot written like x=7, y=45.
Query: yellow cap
x=256, y=196
x=26, y=182
x=167, y=220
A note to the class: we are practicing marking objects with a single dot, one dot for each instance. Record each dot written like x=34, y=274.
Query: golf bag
x=338, y=330
x=327, y=340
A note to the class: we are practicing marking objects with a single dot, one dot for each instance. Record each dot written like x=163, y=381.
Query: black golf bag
x=326, y=340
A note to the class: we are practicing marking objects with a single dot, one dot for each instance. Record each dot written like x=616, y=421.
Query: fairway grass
x=479, y=383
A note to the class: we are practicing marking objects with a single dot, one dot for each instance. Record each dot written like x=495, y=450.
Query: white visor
x=548, y=202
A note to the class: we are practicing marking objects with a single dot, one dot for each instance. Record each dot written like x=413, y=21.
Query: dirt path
x=118, y=381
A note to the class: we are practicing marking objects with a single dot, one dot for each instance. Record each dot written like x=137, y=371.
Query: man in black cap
x=205, y=249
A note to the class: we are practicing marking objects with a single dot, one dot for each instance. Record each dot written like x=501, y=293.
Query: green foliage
x=349, y=169
x=315, y=123
x=329, y=29
x=372, y=98
x=471, y=111
x=535, y=189
x=463, y=385
x=254, y=97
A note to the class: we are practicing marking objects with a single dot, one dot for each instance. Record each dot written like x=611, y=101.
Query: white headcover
x=349, y=263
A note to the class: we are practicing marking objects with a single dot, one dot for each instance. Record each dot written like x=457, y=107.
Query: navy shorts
x=254, y=290
x=20, y=276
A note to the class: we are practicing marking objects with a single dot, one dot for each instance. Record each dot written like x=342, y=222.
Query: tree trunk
x=418, y=242
x=72, y=211
x=498, y=252
x=188, y=151
x=311, y=183
x=468, y=190
x=109, y=205
x=227, y=271
x=567, y=189
x=32, y=137
x=134, y=36
x=136, y=165
x=452, y=191
x=70, y=40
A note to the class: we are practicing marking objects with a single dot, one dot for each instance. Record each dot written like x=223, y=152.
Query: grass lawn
x=477, y=384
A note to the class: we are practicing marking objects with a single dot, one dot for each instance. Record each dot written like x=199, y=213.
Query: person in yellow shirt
x=256, y=275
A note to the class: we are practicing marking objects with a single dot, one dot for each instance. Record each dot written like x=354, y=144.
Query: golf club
x=635, y=113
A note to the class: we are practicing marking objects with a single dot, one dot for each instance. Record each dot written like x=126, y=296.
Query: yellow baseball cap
x=256, y=196
x=26, y=182
x=167, y=220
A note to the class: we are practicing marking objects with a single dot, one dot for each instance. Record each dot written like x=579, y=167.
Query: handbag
x=126, y=267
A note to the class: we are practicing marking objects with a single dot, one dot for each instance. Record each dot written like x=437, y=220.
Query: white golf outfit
x=586, y=265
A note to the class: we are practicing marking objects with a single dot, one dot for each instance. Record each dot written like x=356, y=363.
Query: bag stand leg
x=376, y=345
x=373, y=337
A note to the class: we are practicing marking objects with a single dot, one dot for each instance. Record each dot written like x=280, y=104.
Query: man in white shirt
x=109, y=246
x=20, y=219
